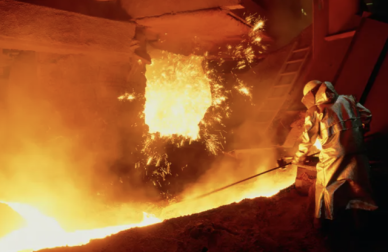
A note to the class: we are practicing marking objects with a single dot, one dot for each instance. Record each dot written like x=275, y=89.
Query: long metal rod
x=238, y=182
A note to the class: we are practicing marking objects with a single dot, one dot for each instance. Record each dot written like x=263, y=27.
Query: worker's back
x=340, y=126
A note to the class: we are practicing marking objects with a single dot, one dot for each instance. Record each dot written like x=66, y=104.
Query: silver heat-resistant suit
x=337, y=121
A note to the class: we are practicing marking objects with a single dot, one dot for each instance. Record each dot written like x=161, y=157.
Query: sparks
x=257, y=40
x=259, y=25
x=177, y=95
x=126, y=96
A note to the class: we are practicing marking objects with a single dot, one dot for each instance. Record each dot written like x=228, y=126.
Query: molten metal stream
x=43, y=231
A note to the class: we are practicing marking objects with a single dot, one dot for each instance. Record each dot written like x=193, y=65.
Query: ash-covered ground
x=279, y=223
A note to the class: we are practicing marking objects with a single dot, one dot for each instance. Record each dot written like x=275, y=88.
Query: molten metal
x=43, y=231
x=177, y=95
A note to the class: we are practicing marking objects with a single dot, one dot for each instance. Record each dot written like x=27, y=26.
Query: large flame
x=43, y=231
x=177, y=95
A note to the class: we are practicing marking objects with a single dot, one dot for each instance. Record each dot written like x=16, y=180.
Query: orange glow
x=266, y=185
x=257, y=40
x=177, y=95
x=45, y=232
x=243, y=89
x=257, y=27
x=126, y=96
x=42, y=231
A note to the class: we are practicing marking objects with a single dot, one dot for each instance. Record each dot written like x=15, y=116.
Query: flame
x=177, y=95
x=43, y=231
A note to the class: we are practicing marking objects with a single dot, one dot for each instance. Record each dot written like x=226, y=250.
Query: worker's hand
x=282, y=163
x=298, y=160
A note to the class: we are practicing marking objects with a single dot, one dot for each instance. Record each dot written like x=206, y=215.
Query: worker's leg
x=311, y=200
x=318, y=223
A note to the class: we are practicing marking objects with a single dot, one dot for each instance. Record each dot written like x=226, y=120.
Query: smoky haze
x=73, y=150
x=227, y=170
x=66, y=148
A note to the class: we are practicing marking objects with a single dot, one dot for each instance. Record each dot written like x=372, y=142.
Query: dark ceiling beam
x=30, y=27
x=151, y=8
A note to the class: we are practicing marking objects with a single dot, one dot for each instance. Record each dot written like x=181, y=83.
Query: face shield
x=309, y=91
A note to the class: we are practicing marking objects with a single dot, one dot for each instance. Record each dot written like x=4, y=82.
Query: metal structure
x=282, y=85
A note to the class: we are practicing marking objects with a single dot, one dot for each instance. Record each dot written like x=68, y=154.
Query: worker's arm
x=365, y=116
x=309, y=135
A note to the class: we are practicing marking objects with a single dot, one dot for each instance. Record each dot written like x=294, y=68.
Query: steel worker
x=339, y=123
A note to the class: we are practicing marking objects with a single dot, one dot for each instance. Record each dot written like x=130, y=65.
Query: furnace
x=123, y=114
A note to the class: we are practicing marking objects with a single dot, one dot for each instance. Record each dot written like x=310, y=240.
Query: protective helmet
x=310, y=85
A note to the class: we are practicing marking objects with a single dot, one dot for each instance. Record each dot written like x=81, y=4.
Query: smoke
x=227, y=170
x=244, y=135
x=72, y=149
x=65, y=140
x=241, y=132
x=287, y=19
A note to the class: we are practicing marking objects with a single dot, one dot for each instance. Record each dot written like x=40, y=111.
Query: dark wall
x=377, y=100
x=377, y=139
x=286, y=19
x=379, y=9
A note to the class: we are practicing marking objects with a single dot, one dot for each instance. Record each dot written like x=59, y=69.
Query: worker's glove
x=282, y=163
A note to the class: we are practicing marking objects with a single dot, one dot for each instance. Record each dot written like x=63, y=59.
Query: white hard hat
x=310, y=85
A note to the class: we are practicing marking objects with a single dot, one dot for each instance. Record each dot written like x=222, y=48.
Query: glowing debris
x=127, y=96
